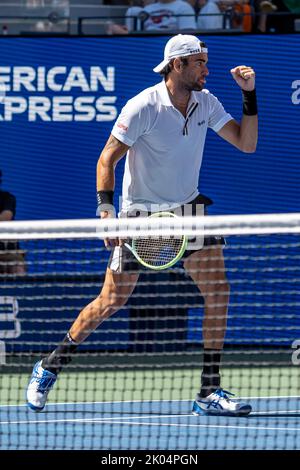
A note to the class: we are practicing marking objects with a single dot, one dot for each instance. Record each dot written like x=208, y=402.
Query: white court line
x=87, y=420
x=118, y=420
x=105, y=402
x=256, y=428
x=149, y=401
x=209, y=426
x=276, y=397
x=275, y=411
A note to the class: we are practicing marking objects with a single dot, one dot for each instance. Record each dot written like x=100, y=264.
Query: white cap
x=181, y=45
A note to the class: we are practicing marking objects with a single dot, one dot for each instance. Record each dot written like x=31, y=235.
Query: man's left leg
x=207, y=269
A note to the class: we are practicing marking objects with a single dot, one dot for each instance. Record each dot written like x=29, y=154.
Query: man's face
x=193, y=75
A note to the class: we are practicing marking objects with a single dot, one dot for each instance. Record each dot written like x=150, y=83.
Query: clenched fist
x=244, y=77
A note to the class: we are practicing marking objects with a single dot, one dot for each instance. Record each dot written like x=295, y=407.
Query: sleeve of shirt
x=132, y=122
x=188, y=20
x=218, y=117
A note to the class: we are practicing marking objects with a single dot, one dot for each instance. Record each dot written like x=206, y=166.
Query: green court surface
x=153, y=384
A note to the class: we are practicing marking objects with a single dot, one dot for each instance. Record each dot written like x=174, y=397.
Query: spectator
x=133, y=19
x=210, y=15
x=225, y=14
x=132, y=15
x=12, y=259
x=262, y=9
x=242, y=15
x=168, y=15
x=283, y=23
x=237, y=14
x=165, y=15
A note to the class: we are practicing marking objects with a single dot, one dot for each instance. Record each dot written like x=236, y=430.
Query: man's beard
x=194, y=87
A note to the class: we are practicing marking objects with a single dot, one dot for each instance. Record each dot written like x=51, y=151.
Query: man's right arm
x=113, y=151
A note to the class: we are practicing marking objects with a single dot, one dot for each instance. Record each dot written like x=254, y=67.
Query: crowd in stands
x=208, y=15
x=152, y=16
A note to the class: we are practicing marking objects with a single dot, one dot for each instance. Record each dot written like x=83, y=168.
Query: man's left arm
x=243, y=135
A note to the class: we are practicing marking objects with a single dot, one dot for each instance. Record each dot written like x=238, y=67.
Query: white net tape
x=130, y=227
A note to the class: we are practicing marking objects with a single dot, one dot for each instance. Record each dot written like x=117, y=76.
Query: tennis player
x=162, y=131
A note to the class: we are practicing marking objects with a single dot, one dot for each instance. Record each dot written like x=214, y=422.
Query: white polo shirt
x=164, y=160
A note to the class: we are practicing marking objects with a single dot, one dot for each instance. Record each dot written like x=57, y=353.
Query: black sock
x=61, y=356
x=210, y=377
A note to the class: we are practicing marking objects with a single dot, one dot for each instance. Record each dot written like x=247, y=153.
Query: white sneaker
x=218, y=403
x=41, y=382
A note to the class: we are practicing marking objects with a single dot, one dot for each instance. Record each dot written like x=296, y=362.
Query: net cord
x=256, y=224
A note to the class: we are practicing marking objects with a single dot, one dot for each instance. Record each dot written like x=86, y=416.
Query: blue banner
x=59, y=98
x=63, y=95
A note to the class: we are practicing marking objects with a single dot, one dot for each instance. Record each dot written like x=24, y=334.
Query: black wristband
x=105, y=200
x=105, y=197
x=249, y=103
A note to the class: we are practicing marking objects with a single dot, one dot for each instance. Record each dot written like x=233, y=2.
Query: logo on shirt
x=121, y=126
x=201, y=122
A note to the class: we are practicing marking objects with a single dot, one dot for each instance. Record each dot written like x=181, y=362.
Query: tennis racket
x=158, y=252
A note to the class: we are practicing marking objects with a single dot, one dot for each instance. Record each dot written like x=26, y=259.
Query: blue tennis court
x=274, y=424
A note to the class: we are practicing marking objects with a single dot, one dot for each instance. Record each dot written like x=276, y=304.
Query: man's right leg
x=116, y=290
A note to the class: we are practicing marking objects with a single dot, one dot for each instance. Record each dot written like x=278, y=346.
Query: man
x=165, y=15
x=210, y=15
x=11, y=257
x=163, y=132
x=168, y=15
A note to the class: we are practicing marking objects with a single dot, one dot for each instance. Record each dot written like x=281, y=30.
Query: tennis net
x=132, y=383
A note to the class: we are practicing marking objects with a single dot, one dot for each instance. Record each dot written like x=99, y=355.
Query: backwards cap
x=181, y=45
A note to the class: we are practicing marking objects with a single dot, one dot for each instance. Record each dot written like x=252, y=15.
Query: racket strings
x=158, y=251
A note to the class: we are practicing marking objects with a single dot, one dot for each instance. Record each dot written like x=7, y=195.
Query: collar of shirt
x=165, y=98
